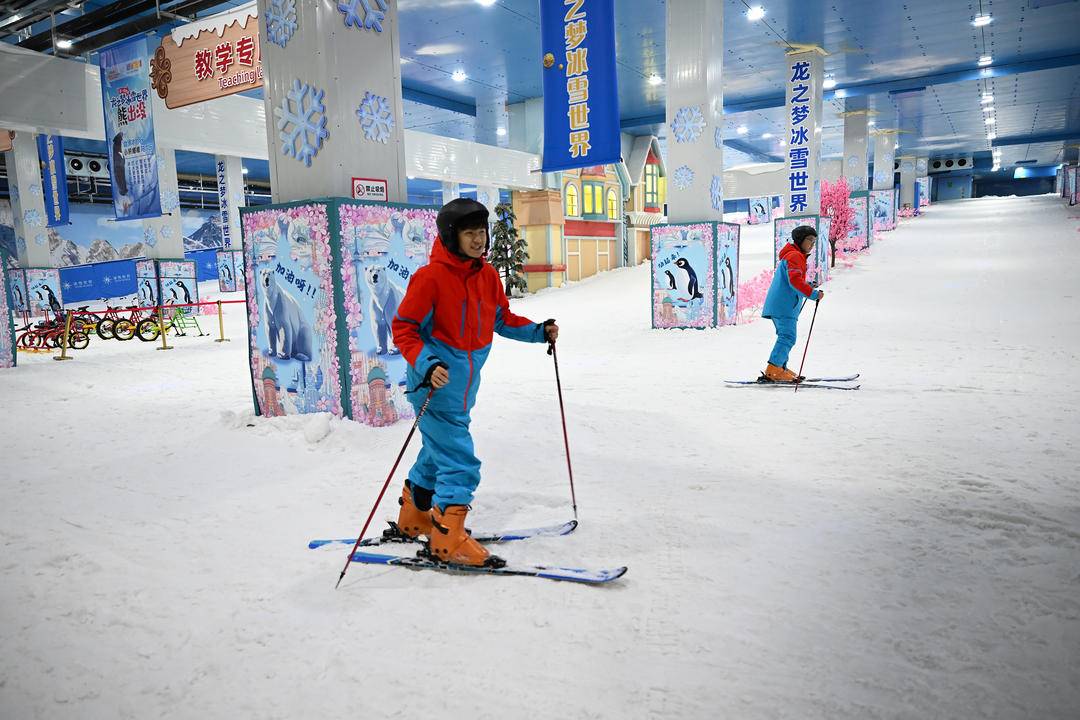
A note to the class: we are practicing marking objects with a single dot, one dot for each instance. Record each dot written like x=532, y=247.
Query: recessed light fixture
x=655, y=79
x=783, y=143
x=988, y=108
x=989, y=121
x=459, y=76
x=871, y=122
x=742, y=129
x=766, y=136
x=987, y=97
x=991, y=135
x=829, y=83
x=501, y=132
x=985, y=60
x=486, y=3
x=64, y=44
x=246, y=171
x=981, y=20
x=755, y=13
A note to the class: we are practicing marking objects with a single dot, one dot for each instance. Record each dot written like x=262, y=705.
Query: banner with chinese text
x=581, y=99
x=804, y=74
x=129, y=130
x=54, y=179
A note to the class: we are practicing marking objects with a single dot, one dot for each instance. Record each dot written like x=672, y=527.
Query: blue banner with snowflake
x=129, y=130
x=54, y=178
x=581, y=98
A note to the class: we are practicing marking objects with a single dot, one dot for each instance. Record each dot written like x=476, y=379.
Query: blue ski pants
x=786, y=329
x=447, y=463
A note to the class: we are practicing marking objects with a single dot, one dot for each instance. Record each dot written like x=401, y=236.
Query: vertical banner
x=7, y=316
x=683, y=275
x=129, y=130
x=883, y=209
x=43, y=291
x=54, y=176
x=858, y=237
x=581, y=99
x=381, y=247
x=230, y=270
x=760, y=210
x=20, y=302
x=727, y=273
x=804, y=76
x=223, y=204
x=146, y=280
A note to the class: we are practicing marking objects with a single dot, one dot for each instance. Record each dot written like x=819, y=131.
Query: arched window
x=612, y=205
x=571, y=200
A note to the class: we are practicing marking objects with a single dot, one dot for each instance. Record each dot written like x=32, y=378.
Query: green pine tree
x=509, y=252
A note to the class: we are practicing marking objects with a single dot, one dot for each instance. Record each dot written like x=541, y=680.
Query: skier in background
x=787, y=294
x=444, y=327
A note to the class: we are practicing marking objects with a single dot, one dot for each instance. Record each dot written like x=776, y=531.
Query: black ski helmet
x=801, y=233
x=460, y=214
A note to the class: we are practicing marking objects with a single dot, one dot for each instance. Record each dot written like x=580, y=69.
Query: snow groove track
x=908, y=551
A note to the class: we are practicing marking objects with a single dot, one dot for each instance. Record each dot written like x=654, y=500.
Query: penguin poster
x=146, y=280
x=178, y=284
x=858, y=237
x=683, y=275
x=382, y=245
x=782, y=232
x=883, y=207
x=292, y=316
x=230, y=265
x=17, y=282
x=43, y=291
x=760, y=210
x=7, y=326
x=727, y=273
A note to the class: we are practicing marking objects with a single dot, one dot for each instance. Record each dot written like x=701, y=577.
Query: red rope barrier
x=154, y=307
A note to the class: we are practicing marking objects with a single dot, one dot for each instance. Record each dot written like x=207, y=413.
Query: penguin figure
x=187, y=295
x=692, y=281
x=119, y=165
x=149, y=292
x=57, y=308
x=670, y=279
x=729, y=278
x=18, y=296
x=175, y=297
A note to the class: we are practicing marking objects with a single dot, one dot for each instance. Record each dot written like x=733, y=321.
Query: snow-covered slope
x=905, y=551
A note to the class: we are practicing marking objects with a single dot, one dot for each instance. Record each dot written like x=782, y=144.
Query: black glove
x=431, y=371
x=548, y=323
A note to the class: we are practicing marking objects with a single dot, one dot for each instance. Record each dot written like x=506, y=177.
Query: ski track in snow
x=906, y=551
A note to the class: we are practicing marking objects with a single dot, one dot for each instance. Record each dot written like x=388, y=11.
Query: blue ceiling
x=914, y=63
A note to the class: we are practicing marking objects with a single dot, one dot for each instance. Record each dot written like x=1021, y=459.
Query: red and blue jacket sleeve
x=417, y=309
x=797, y=278
x=515, y=327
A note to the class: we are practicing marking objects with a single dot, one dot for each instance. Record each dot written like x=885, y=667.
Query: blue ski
x=390, y=536
x=578, y=575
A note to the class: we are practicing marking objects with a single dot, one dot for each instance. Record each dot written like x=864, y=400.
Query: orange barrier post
x=221, y=324
x=64, y=342
x=161, y=325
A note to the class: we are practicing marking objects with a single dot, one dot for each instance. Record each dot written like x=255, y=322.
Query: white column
x=884, y=158
x=856, y=166
x=230, y=174
x=450, y=191
x=695, y=109
x=347, y=65
x=907, y=181
x=488, y=196
x=804, y=74
x=28, y=202
x=164, y=236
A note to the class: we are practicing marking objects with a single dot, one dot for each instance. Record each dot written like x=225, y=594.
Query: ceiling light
x=755, y=13
x=410, y=177
x=486, y=3
x=981, y=20
x=459, y=76
x=985, y=60
x=655, y=79
x=246, y=171
x=501, y=132
x=987, y=97
x=989, y=121
x=742, y=129
x=829, y=83
x=64, y=44
x=991, y=135
x=871, y=122
x=766, y=136
x=783, y=143
x=988, y=108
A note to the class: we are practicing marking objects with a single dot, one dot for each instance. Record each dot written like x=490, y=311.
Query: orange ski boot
x=451, y=543
x=412, y=522
x=774, y=373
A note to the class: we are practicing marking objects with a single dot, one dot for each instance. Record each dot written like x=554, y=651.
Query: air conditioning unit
x=943, y=165
x=87, y=166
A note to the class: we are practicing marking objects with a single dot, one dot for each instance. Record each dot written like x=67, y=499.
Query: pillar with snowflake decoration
x=326, y=126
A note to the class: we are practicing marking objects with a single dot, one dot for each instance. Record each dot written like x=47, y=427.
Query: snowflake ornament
x=40, y=239
x=718, y=138
x=32, y=218
x=167, y=232
x=376, y=120
x=149, y=236
x=170, y=200
x=688, y=124
x=683, y=177
x=372, y=19
x=20, y=243
x=35, y=190
x=302, y=124
x=280, y=21
x=716, y=192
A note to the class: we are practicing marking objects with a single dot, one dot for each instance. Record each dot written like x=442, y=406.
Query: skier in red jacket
x=443, y=327
x=787, y=294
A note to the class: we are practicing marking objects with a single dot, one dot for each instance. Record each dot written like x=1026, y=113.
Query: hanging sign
x=129, y=130
x=54, y=175
x=369, y=189
x=209, y=59
x=581, y=100
x=223, y=204
x=803, y=76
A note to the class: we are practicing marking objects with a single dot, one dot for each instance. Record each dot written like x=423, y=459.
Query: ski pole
x=807, y=347
x=566, y=440
x=416, y=424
